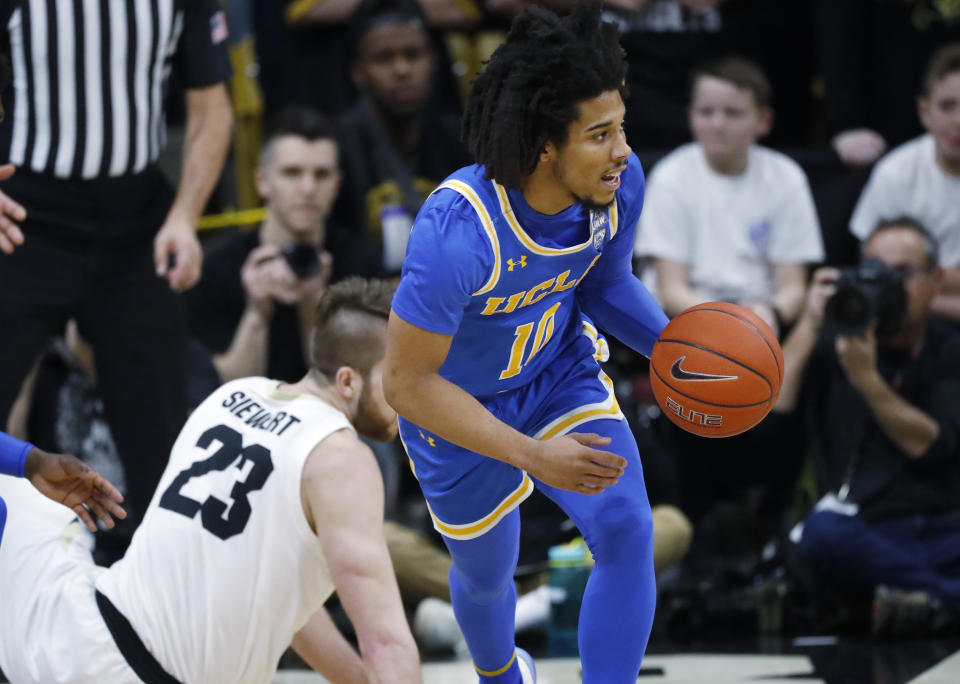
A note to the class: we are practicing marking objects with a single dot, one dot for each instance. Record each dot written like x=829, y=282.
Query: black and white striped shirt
x=89, y=79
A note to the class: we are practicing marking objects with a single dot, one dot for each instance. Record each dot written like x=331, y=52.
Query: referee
x=107, y=241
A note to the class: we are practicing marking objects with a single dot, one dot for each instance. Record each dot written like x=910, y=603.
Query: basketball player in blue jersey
x=493, y=355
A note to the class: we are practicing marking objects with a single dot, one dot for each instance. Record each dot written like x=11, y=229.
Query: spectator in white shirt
x=724, y=218
x=921, y=178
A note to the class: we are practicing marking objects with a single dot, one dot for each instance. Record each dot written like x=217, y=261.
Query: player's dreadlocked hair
x=529, y=91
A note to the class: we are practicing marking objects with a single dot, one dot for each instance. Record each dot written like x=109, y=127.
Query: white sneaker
x=528, y=671
x=435, y=626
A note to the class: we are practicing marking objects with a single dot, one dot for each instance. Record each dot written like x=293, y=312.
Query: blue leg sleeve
x=484, y=598
x=618, y=605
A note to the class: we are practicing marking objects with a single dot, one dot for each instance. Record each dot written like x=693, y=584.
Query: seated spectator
x=727, y=219
x=305, y=48
x=883, y=426
x=921, y=178
x=395, y=148
x=724, y=218
x=254, y=306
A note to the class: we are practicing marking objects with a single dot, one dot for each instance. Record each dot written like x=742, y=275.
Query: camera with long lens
x=866, y=294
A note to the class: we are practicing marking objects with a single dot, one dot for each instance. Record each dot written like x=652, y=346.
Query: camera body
x=302, y=259
x=868, y=293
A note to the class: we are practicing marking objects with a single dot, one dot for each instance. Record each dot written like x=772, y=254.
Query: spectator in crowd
x=108, y=242
x=253, y=308
x=872, y=55
x=883, y=427
x=395, y=149
x=724, y=218
x=304, y=47
x=921, y=178
x=199, y=582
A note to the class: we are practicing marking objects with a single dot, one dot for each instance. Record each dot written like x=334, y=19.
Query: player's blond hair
x=349, y=327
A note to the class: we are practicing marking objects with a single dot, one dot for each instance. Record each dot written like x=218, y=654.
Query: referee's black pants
x=88, y=255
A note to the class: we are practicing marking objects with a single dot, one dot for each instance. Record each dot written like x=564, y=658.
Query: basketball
x=716, y=369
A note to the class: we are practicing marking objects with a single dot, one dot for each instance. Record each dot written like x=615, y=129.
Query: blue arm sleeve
x=610, y=294
x=13, y=455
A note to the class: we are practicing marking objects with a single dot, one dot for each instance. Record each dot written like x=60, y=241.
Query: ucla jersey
x=485, y=267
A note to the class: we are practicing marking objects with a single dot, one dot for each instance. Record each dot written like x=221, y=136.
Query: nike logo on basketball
x=678, y=373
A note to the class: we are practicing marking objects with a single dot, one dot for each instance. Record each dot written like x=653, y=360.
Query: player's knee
x=624, y=532
x=483, y=585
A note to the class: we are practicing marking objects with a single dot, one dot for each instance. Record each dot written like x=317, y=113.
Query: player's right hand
x=71, y=482
x=569, y=462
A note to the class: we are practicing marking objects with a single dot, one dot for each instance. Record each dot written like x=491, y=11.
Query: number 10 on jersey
x=522, y=336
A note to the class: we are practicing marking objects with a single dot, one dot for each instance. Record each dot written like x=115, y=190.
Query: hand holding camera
x=822, y=287
x=857, y=304
x=288, y=275
x=858, y=357
x=260, y=278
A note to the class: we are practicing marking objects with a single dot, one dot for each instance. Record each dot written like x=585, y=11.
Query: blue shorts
x=468, y=493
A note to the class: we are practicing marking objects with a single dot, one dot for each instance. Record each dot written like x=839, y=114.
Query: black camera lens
x=870, y=293
x=302, y=259
x=849, y=311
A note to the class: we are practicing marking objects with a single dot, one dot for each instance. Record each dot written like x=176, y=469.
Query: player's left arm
x=343, y=492
x=64, y=479
x=611, y=295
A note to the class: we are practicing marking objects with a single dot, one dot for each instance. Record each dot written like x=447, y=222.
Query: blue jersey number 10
x=522, y=336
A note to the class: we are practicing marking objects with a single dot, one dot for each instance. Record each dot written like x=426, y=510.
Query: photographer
x=253, y=309
x=882, y=416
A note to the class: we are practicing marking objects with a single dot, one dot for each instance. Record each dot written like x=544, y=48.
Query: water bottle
x=569, y=570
